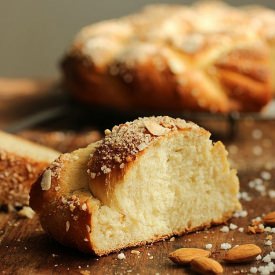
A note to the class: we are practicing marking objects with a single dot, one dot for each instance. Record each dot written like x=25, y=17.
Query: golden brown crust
x=121, y=145
x=184, y=61
x=66, y=209
x=21, y=163
x=17, y=174
x=68, y=217
x=114, y=155
x=63, y=218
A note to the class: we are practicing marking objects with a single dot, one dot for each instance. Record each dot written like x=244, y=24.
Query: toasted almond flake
x=72, y=207
x=46, y=180
x=172, y=239
x=181, y=124
x=107, y=132
x=88, y=228
x=27, y=212
x=135, y=252
x=64, y=201
x=67, y=226
x=155, y=129
x=84, y=206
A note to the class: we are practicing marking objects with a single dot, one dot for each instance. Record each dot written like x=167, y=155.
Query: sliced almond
x=204, y=265
x=184, y=256
x=242, y=253
x=155, y=129
x=180, y=123
x=269, y=219
x=46, y=180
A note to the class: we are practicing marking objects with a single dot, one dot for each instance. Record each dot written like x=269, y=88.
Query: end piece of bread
x=145, y=181
x=21, y=163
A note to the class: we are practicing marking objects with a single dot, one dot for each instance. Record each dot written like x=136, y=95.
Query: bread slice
x=21, y=163
x=145, y=181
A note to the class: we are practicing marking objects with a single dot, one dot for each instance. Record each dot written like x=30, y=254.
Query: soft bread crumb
x=224, y=229
x=208, y=246
x=226, y=246
x=259, y=257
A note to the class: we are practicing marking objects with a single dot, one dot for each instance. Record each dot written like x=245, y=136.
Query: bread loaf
x=207, y=57
x=145, y=181
x=21, y=163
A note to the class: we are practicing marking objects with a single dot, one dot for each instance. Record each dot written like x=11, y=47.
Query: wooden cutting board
x=26, y=249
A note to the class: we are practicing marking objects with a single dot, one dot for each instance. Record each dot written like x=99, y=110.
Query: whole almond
x=205, y=266
x=269, y=219
x=242, y=253
x=184, y=256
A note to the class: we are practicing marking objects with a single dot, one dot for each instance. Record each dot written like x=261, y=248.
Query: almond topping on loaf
x=125, y=141
x=147, y=187
x=46, y=180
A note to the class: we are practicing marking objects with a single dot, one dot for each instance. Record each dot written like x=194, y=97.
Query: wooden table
x=26, y=249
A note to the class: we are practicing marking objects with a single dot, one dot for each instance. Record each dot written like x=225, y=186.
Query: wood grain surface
x=26, y=249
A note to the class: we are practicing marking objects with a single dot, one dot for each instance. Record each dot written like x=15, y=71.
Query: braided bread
x=145, y=181
x=207, y=57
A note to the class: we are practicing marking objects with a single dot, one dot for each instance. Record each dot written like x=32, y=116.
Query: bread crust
x=67, y=209
x=17, y=174
x=181, y=63
x=20, y=169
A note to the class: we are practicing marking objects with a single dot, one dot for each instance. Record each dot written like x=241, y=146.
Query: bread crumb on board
x=121, y=256
x=26, y=212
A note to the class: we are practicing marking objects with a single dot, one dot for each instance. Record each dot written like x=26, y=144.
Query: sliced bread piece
x=145, y=181
x=21, y=163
